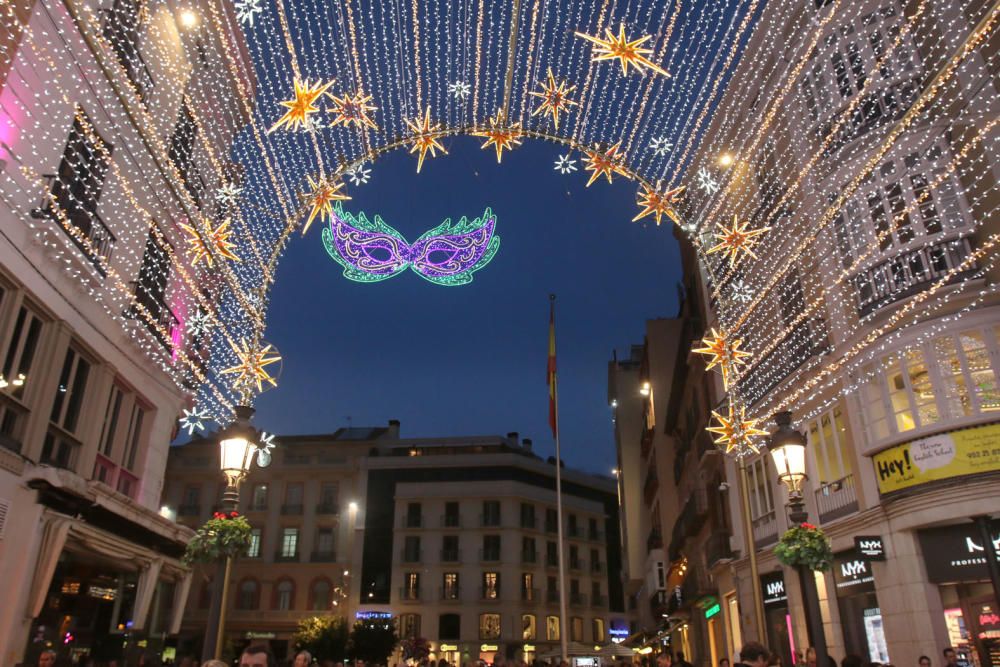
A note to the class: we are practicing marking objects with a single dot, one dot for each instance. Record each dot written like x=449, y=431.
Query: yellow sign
x=489, y=648
x=966, y=452
x=529, y=648
x=449, y=647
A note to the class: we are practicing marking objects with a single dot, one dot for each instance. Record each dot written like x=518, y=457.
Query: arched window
x=248, y=594
x=284, y=595
x=319, y=595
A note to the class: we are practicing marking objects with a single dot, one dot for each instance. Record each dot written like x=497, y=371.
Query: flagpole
x=559, y=507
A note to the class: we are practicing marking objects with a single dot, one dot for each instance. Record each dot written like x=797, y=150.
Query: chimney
x=394, y=428
x=526, y=443
x=513, y=437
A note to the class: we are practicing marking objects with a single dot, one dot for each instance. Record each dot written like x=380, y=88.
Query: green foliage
x=373, y=641
x=807, y=545
x=221, y=536
x=323, y=636
x=415, y=648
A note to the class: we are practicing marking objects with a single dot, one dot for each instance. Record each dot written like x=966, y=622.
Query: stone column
x=144, y=590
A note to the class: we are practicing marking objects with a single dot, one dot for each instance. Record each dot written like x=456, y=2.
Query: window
x=14, y=376
x=576, y=629
x=328, y=498
x=249, y=595
x=831, y=446
x=150, y=293
x=491, y=585
x=134, y=436
x=527, y=515
x=325, y=543
x=413, y=515
x=761, y=494
x=574, y=526
x=284, y=595
x=528, y=629
x=182, y=145
x=592, y=530
x=574, y=557
x=528, y=587
x=489, y=626
x=552, y=628
x=411, y=549
x=491, y=513
x=595, y=560
x=409, y=626
x=190, y=501
x=60, y=446
x=319, y=595
x=293, y=498
x=449, y=588
x=450, y=626
x=253, y=551
x=595, y=593
x=449, y=549
x=551, y=590
x=289, y=543
x=551, y=554
x=491, y=547
x=110, y=426
x=528, y=550
x=451, y=514
x=121, y=29
x=551, y=521
x=258, y=497
x=599, y=631
x=411, y=586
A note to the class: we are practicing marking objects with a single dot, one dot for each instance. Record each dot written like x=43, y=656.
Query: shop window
x=253, y=550
x=409, y=626
x=552, y=628
x=576, y=629
x=528, y=627
x=599, y=635
x=450, y=626
x=284, y=595
x=319, y=595
x=248, y=596
x=489, y=626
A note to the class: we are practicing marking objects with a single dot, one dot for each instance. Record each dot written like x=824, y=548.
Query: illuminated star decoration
x=312, y=125
x=460, y=90
x=199, y=323
x=605, y=163
x=228, y=194
x=621, y=49
x=736, y=239
x=499, y=135
x=246, y=9
x=219, y=239
x=423, y=138
x=554, y=98
x=353, y=110
x=252, y=366
x=736, y=432
x=564, y=165
x=302, y=106
x=706, y=182
x=724, y=353
x=658, y=205
x=740, y=291
x=359, y=174
x=193, y=420
x=661, y=146
x=324, y=193
x=265, y=443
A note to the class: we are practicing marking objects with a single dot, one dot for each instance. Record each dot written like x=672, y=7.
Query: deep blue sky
x=470, y=360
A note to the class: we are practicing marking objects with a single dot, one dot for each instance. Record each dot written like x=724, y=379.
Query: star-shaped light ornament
x=246, y=10
x=620, y=48
x=359, y=174
x=193, y=420
x=565, y=165
x=265, y=443
x=425, y=137
x=304, y=105
x=312, y=125
x=321, y=197
x=659, y=204
x=500, y=135
x=353, y=110
x=199, y=323
x=218, y=238
x=661, y=146
x=705, y=181
x=732, y=241
x=460, y=90
x=555, y=98
x=603, y=163
x=736, y=432
x=252, y=366
x=724, y=353
x=741, y=291
x=228, y=194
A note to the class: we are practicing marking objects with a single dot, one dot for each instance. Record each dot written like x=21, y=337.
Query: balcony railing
x=451, y=555
x=158, y=318
x=120, y=29
x=837, y=499
x=717, y=549
x=410, y=556
x=551, y=527
x=450, y=521
x=409, y=594
x=595, y=535
x=654, y=541
x=576, y=564
x=528, y=522
x=450, y=594
x=257, y=507
x=189, y=510
x=651, y=486
x=765, y=530
x=577, y=599
x=658, y=603
x=87, y=230
x=551, y=595
x=529, y=556
x=597, y=567
x=599, y=600
x=286, y=556
x=292, y=509
x=530, y=595
x=324, y=556
x=489, y=520
x=574, y=531
x=489, y=555
x=808, y=339
x=328, y=508
x=646, y=442
x=413, y=521
x=551, y=560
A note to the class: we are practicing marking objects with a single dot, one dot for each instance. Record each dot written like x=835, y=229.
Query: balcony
x=595, y=535
x=450, y=594
x=576, y=564
x=577, y=599
x=286, y=556
x=121, y=29
x=323, y=556
x=410, y=556
x=551, y=560
x=257, y=507
x=574, y=531
x=12, y=423
x=765, y=530
x=189, y=510
x=291, y=509
x=654, y=541
x=489, y=555
x=153, y=313
x=60, y=449
x=79, y=221
x=658, y=604
x=528, y=522
x=598, y=600
x=530, y=595
x=646, y=442
x=529, y=556
x=837, y=499
x=451, y=555
x=328, y=508
x=596, y=567
x=409, y=594
x=551, y=527
x=450, y=521
x=413, y=521
x=489, y=520
x=651, y=486
x=490, y=593
x=551, y=595
x=717, y=549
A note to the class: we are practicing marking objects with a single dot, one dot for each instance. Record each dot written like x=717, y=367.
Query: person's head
x=302, y=659
x=754, y=654
x=724, y=662
x=214, y=663
x=663, y=659
x=924, y=661
x=680, y=656
x=257, y=655
x=852, y=660
x=47, y=658
x=950, y=656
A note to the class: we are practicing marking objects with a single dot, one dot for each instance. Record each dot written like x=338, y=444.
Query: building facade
x=92, y=310
x=454, y=538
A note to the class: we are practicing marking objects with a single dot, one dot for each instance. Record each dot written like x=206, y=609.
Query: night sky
x=470, y=360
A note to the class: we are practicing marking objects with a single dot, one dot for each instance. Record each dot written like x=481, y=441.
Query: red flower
x=234, y=514
x=218, y=515
x=808, y=526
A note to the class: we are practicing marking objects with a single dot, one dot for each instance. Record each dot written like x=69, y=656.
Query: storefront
x=955, y=559
x=860, y=615
x=776, y=616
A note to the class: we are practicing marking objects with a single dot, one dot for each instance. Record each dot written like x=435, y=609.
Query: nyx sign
x=852, y=574
x=773, y=587
x=870, y=547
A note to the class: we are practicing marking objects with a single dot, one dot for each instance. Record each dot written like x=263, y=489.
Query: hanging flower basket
x=222, y=536
x=805, y=544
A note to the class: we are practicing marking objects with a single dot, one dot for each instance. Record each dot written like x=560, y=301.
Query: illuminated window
x=489, y=626
x=599, y=631
x=258, y=499
x=830, y=444
x=491, y=585
x=253, y=551
x=290, y=543
x=319, y=595
x=409, y=626
x=576, y=629
x=449, y=590
x=284, y=595
x=552, y=628
x=528, y=629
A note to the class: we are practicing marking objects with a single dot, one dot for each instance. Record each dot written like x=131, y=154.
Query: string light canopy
x=719, y=111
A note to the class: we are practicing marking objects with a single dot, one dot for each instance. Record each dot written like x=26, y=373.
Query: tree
x=372, y=640
x=323, y=636
x=415, y=648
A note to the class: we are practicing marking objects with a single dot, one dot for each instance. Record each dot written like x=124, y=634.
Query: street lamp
x=788, y=451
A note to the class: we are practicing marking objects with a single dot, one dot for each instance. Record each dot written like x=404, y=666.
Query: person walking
x=754, y=654
x=923, y=661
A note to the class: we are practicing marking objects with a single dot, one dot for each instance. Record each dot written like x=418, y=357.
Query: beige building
x=454, y=538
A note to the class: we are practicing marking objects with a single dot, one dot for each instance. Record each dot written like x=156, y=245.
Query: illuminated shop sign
x=373, y=615
x=449, y=647
x=773, y=587
x=870, y=547
x=489, y=648
x=618, y=635
x=852, y=572
x=713, y=610
x=956, y=553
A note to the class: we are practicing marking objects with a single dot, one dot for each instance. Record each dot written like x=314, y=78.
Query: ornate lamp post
x=788, y=451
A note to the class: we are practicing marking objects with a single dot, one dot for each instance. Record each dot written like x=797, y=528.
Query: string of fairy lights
x=800, y=147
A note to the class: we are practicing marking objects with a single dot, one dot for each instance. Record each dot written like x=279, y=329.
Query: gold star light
x=736, y=239
x=218, y=238
x=554, y=98
x=736, y=431
x=619, y=48
x=252, y=366
x=353, y=110
x=656, y=204
x=321, y=199
x=500, y=136
x=424, y=139
x=604, y=163
x=302, y=106
x=724, y=353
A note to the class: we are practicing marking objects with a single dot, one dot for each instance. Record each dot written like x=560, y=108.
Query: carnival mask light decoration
x=371, y=251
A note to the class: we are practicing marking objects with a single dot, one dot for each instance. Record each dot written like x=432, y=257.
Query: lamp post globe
x=788, y=451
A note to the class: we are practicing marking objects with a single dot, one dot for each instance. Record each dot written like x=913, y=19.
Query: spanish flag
x=551, y=376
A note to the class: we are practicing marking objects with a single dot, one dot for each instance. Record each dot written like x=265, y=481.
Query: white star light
x=246, y=9
x=264, y=447
x=199, y=323
x=460, y=90
x=564, y=165
x=193, y=420
x=740, y=291
x=661, y=146
x=706, y=182
x=228, y=194
x=312, y=125
x=358, y=174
